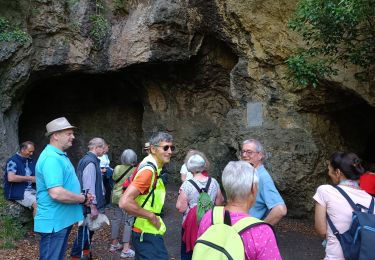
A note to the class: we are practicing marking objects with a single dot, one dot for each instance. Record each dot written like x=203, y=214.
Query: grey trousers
x=120, y=217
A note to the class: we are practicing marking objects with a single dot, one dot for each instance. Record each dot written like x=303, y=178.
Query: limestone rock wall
x=211, y=73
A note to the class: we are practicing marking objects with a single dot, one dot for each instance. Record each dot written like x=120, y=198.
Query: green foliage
x=99, y=27
x=8, y=33
x=338, y=30
x=118, y=4
x=11, y=230
x=304, y=71
x=99, y=6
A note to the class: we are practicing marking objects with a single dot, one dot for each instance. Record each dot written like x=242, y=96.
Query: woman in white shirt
x=344, y=169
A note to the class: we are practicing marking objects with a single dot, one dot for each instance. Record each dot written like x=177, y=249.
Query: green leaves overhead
x=334, y=31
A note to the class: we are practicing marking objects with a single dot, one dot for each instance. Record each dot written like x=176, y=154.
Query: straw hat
x=58, y=124
x=147, y=146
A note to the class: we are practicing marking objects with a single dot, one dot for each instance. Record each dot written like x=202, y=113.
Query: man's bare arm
x=13, y=177
x=276, y=214
x=128, y=203
x=64, y=196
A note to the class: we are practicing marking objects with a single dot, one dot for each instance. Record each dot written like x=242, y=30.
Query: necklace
x=350, y=183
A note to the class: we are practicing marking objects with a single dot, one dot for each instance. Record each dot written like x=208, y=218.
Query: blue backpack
x=358, y=242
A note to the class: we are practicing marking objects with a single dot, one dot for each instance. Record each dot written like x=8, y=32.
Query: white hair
x=96, y=142
x=196, y=163
x=238, y=178
x=129, y=157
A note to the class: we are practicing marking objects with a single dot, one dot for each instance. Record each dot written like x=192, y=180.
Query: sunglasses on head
x=166, y=147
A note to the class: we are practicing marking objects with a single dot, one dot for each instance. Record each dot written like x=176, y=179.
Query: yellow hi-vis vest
x=154, y=204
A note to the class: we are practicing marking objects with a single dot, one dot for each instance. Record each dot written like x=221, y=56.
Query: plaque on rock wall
x=254, y=114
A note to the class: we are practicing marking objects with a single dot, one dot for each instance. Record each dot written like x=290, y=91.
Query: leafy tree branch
x=334, y=31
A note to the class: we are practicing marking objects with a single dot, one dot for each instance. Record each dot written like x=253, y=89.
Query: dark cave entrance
x=188, y=99
x=357, y=128
x=98, y=105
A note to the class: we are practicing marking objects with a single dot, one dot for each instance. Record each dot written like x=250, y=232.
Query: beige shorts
x=29, y=198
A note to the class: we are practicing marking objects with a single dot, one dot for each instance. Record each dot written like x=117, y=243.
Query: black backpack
x=358, y=242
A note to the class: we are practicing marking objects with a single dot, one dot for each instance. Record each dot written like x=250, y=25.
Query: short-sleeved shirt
x=12, y=167
x=54, y=169
x=185, y=171
x=104, y=161
x=192, y=194
x=267, y=196
x=259, y=241
x=340, y=212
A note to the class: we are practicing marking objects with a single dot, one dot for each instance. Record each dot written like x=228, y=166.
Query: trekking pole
x=85, y=231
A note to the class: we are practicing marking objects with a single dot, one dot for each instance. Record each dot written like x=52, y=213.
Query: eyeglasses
x=166, y=147
x=248, y=152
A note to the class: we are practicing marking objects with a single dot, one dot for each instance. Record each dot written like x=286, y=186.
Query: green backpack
x=223, y=240
x=205, y=202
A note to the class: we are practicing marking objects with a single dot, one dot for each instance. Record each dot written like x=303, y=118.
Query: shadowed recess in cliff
x=351, y=118
x=188, y=99
x=104, y=106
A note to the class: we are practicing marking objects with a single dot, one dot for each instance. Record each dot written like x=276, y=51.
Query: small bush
x=98, y=32
x=9, y=33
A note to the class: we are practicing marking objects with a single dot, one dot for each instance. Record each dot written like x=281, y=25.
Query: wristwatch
x=84, y=194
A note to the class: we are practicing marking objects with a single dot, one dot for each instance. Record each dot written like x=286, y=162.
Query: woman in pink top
x=344, y=169
x=240, y=183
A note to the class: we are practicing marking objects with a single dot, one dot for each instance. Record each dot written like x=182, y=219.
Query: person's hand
x=94, y=212
x=154, y=220
x=32, y=179
x=90, y=198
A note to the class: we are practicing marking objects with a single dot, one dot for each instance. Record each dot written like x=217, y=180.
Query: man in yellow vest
x=144, y=199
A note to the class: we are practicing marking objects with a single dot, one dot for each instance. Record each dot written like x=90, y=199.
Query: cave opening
x=188, y=99
x=104, y=106
x=357, y=128
x=355, y=119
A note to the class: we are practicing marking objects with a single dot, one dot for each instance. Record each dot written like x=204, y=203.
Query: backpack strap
x=217, y=216
x=122, y=176
x=151, y=193
x=372, y=205
x=205, y=189
x=207, y=185
x=246, y=223
x=334, y=229
x=346, y=196
x=195, y=185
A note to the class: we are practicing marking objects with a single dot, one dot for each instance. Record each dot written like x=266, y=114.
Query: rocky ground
x=297, y=240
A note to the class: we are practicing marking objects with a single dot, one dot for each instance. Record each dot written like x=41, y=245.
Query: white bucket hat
x=58, y=124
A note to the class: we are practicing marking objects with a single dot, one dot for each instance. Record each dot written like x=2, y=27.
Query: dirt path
x=296, y=238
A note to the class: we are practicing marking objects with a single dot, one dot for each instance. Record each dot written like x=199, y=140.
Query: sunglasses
x=166, y=147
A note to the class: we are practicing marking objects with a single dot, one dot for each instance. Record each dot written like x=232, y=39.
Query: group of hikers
x=233, y=223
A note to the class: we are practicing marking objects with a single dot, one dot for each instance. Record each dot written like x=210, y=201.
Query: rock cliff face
x=211, y=73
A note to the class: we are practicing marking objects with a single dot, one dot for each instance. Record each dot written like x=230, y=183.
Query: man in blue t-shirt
x=269, y=204
x=58, y=192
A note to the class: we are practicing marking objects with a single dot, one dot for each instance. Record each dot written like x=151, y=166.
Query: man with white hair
x=90, y=177
x=58, y=192
x=269, y=204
